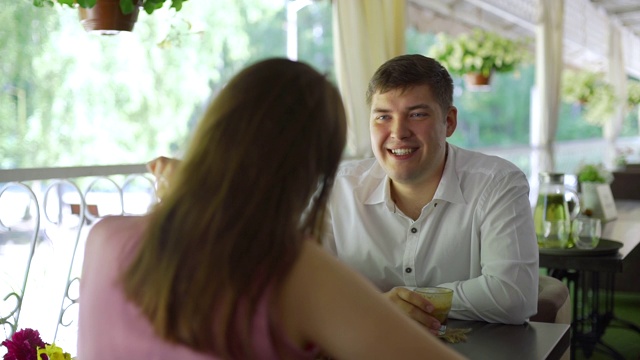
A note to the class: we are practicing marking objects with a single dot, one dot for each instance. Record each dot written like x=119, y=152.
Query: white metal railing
x=45, y=215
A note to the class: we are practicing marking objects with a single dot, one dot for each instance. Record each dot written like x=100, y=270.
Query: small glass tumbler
x=586, y=232
x=441, y=299
x=555, y=234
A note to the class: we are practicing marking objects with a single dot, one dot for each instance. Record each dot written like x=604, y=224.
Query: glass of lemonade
x=441, y=299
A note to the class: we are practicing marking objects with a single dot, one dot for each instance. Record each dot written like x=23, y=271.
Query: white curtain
x=617, y=77
x=366, y=34
x=546, y=95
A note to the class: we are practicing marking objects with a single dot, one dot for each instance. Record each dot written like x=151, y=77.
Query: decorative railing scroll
x=11, y=319
x=53, y=216
x=87, y=216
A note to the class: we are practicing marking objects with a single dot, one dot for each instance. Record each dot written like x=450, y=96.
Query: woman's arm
x=325, y=303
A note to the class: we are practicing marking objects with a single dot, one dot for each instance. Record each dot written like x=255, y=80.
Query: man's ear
x=452, y=120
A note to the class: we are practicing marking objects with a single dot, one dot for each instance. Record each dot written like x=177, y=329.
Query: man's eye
x=382, y=117
x=419, y=115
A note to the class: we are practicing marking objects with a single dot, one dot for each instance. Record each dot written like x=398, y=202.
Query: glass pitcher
x=555, y=208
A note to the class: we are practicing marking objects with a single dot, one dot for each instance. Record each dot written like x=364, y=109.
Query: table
x=591, y=280
x=530, y=341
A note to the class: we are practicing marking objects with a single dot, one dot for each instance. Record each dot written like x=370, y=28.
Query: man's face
x=408, y=134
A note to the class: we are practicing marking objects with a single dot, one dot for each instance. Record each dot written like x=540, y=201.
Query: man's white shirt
x=476, y=236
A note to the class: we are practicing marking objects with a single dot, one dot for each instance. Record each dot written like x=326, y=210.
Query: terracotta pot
x=106, y=18
x=477, y=79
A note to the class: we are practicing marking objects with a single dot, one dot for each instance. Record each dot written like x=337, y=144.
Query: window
x=70, y=98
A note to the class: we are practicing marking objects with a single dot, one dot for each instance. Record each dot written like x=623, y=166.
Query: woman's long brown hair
x=239, y=206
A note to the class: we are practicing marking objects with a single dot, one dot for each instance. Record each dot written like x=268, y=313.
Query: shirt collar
x=449, y=188
x=379, y=187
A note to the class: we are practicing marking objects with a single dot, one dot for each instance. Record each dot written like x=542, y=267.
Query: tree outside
x=70, y=98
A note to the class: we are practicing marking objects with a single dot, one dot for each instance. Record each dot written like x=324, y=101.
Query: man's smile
x=402, y=151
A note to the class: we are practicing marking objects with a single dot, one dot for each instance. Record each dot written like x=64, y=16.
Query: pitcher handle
x=573, y=197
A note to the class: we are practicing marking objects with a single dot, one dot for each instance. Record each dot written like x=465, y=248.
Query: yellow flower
x=53, y=352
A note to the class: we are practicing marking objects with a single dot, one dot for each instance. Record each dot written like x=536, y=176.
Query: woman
x=227, y=266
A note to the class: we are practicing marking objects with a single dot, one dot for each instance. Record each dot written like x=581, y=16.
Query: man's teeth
x=401, y=151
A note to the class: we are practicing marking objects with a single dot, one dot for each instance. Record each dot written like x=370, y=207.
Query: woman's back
x=111, y=327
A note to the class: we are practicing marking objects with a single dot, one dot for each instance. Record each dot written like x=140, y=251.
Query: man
x=427, y=213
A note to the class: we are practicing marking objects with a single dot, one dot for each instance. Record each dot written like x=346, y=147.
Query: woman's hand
x=162, y=168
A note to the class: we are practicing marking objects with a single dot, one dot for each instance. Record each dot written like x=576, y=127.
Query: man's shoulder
x=472, y=160
x=356, y=168
x=359, y=176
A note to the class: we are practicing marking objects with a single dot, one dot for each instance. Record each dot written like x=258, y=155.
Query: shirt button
x=414, y=230
x=408, y=270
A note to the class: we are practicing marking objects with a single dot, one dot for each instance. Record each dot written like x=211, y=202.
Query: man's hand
x=414, y=305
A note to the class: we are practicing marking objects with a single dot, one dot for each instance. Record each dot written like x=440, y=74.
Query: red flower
x=23, y=345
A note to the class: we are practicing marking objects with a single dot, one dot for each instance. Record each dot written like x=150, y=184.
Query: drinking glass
x=586, y=232
x=555, y=234
x=440, y=298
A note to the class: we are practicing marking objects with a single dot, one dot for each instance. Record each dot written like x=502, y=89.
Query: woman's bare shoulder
x=117, y=222
x=111, y=227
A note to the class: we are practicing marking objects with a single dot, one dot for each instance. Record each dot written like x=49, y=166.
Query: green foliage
x=601, y=106
x=590, y=90
x=579, y=86
x=633, y=90
x=594, y=173
x=123, y=99
x=572, y=124
x=499, y=117
x=478, y=52
x=126, y=6
x=315, y=43
x=25, y=97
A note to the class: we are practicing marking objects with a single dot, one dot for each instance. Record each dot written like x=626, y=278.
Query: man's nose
x=400, y=128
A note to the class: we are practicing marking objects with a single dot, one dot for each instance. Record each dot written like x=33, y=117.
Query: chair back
x=554, y=305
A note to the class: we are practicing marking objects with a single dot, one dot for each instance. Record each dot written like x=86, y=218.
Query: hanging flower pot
x=478, y=54
x=595, y=97
x=107, y=18
x=477, y=79
x=633, y=93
